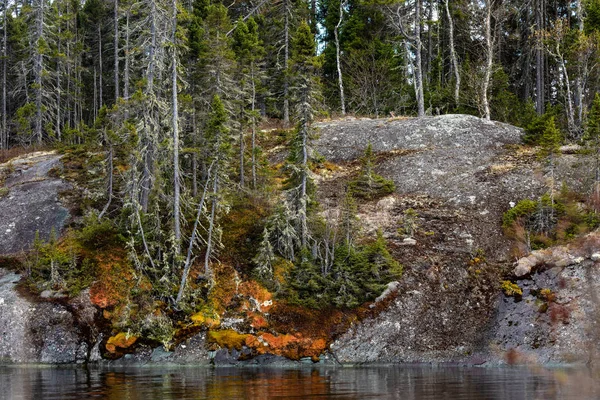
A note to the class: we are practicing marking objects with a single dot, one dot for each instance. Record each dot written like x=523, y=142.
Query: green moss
x=228, y=339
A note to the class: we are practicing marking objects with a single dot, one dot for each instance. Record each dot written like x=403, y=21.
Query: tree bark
x=539, y=60
x=418, y=61
x=116, y=48
x=286, y=57
x=4, y=138
x=337, y=58
x=489, y=59
x=175, y=126
x=453, y=57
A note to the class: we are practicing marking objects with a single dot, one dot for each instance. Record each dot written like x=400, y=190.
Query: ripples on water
x=394, y=382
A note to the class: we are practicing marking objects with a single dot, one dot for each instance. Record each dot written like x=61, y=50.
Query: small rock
x=409, y=242
x=595, y=257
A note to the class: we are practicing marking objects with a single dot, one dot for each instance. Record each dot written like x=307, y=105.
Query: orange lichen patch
x=291, y=346
x=206, y=318
x=228, y=338
x=258, y=321
x=262, y=298
x=120, y=341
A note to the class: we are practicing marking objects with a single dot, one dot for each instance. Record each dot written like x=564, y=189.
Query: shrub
x=369, y=185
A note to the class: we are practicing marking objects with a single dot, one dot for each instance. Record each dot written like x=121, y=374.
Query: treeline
x=507, y=60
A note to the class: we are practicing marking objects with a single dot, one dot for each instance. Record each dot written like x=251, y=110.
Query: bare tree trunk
x=95, y=94
x=116, y=48
x=429, y=39
x=58, y=83
x=242, y=150
x=418, y=61
x=149, y=153
x=489, y=59
x=4, y=137
x=100, y=84
x=539, y=60
x=188, y=260
x=211, y=224
x=286, y=56
x=453, y=55
x=176, y=178
x=337, y=57
x=110, y=168
x=303, y=185
x=253, y=122
x=126, y=72
x=38, y=69
x=581, y=73
x=194, y=157
x=568, y=94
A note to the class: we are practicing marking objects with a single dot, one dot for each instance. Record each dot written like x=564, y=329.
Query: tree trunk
x=418, y=61
x=110, y=168
x=188, y=260
x=100, y=84
x=539, y=61
x=211, y=224
x=126, y=71
x=253, y=122
x=38, y=69
x=176, y=178
x=337, y=58
x=4, y=136
x=286, y=56
x=453, y=55
x=489, y=59
x=116, y=48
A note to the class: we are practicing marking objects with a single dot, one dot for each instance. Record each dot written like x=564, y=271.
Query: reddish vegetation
x=114, y=279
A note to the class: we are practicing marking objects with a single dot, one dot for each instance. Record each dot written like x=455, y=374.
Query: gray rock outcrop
x=29, y=201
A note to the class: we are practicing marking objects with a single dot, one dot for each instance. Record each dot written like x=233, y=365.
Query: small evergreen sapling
x=370, y=185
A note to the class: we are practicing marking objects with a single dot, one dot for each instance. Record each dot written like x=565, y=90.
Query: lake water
x=392, y=382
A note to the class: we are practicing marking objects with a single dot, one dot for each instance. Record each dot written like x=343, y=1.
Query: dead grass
x=17, y=151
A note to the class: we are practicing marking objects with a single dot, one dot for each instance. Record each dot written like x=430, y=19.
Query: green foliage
x=511, y=289
x=54, y=265
x=592, y=129
x=551, y=138
x=369, y=185
x=99, y=234
x=534, y=130
x=359, y=274
x=525, y=207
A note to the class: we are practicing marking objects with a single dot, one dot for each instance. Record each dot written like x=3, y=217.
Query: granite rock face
x=37, y=331
x=459, y=174
x=29, y=202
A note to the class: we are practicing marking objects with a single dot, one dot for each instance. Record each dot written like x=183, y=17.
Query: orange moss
x=224, y=289
x=258, y=321
x=228, y=338
x=120, y=341
x=114, y=279
x=291, y=346
x=206, y=318
x=253, y=290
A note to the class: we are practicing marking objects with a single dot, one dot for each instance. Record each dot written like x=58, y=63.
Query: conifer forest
x=186, y=129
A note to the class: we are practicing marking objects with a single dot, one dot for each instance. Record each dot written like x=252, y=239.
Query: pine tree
x=249, y=51
x=593, y=134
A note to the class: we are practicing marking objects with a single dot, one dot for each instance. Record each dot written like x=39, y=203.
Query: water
x=393, y=382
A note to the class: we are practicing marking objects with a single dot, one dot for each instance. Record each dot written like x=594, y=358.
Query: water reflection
x=394, y=382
